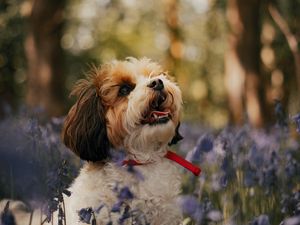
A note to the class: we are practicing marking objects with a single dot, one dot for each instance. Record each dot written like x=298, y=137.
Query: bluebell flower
x=97, y=210
x=224, y=181
x=292, y=168
x=296, y=120
x=269, y=178
x=227, y=170
x=226, y=164
x=261, y=220
x=214, y=215
x=32, y=127
x=205, y=144
x=294, y=220
x=85, y=215
x=125, y=194
x=250, y=176
x=188, y=204
x=118, y=156
x=255, y=157
x=131, y=169
x=290, y=204
x=280, y=114
x=191, y=206
x=117, y=206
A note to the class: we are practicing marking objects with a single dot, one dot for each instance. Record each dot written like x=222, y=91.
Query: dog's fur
x=108, y=116
x=104, y=117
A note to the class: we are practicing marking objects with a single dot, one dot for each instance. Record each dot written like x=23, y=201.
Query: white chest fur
x=155, y=194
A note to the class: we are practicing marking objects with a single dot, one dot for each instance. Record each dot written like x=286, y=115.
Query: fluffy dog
x=135, y=106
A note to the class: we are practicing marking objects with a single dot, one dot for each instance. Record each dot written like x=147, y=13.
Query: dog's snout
x=156, y=84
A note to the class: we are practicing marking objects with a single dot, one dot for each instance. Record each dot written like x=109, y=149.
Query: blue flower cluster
x=33, y=159
x=58, y=183
x=249, y=176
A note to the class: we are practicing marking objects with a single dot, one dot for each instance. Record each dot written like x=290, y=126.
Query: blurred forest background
x=231, y=58
x=234, y=61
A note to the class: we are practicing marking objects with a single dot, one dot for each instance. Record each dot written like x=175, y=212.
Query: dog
x=134, y=107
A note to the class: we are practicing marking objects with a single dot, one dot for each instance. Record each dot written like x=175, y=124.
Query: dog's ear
x=177, y=137
x=84, y=130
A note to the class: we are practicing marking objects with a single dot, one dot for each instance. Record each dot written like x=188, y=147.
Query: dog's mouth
x=157, y=113
x=157, y=117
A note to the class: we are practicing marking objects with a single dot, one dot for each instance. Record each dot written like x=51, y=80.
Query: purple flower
x=296, y=120
x=295, y=220
x=250, y=177
x=224, y=181
x=269, y=178
x=214, y=215
x=290, y=204
x=205, y=144
x=188, y=204
x=261, y=220
x=191, y=206
x=125, y=194
x=280, y=114
x=99, y=208
x=255, y=157
x=117, y=206
x=118, y=156
x=85, y=215
x=136, y=173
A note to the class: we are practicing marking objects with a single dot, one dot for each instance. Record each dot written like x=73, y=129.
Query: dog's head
x=132, y=105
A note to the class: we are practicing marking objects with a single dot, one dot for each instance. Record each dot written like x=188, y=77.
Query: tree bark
x=243, y=81
x=175, y=50
x=290, y=38
x=45, y=83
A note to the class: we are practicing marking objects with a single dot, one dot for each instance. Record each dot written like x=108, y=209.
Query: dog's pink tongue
x=156, y=116
x=159, y=113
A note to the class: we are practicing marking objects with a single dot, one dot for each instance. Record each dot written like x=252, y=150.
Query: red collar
x=172, y=156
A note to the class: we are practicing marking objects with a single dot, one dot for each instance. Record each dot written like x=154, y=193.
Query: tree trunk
x=45, y=87
x=175, y=50
x=243, y=81
x=290, y=38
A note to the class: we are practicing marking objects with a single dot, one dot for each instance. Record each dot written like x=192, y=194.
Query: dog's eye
x=125, y=89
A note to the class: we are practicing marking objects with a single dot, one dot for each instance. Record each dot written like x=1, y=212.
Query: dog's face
x=133, y=105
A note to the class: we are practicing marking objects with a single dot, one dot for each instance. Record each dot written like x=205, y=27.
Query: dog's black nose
x=156, y=84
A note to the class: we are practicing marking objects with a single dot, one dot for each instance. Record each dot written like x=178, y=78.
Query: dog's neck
x=173, y=157
x=147, y=154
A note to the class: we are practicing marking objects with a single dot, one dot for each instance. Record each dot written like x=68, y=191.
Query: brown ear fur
x=177, y=137
x=84, y=129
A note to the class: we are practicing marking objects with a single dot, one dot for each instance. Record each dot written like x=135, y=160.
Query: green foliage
x=12, y=59
x=99, y=31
